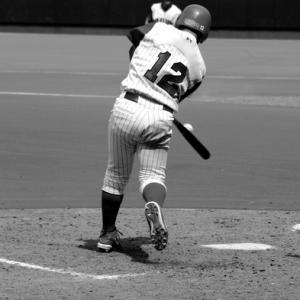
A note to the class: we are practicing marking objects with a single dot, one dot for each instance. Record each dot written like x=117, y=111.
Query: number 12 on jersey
x=168, y=82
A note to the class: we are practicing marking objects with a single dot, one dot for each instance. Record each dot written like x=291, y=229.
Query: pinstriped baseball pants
x=140, y=130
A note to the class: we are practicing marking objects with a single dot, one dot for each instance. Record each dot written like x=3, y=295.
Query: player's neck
x=190, y=31
x=165, y=8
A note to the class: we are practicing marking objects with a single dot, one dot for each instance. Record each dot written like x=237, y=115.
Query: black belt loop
x=135, y=98
x=131, y=96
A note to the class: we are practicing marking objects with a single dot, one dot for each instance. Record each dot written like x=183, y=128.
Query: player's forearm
x=190, y=91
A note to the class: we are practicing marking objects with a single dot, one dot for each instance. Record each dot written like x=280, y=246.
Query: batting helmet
x=196, y=18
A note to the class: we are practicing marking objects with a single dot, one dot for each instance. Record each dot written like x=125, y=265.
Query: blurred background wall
x=227, y=14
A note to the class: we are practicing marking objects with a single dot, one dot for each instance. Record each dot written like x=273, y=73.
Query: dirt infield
x=51, y=254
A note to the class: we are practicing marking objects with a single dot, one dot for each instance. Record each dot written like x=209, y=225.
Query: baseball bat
x=193, y=141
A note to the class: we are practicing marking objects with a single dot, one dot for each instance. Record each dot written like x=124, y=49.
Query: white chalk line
x=94, y=73
x=66, y=272
x=54, y=94
x=48, y=72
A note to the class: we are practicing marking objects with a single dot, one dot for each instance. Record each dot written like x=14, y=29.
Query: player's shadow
x=129, y=246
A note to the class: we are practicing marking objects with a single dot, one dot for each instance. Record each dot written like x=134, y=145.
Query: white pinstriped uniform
x=169, y=16
x=164, y=66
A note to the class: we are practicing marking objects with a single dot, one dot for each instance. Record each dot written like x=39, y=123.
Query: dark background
x=226, y=14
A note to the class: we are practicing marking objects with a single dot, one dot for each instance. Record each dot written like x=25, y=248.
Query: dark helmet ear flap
x=200, y=37
x=197, y=18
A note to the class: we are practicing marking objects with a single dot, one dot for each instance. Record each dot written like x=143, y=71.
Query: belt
x=135, y=98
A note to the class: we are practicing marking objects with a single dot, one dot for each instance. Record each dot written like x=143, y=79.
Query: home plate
x=296, y=227
x=239, y=246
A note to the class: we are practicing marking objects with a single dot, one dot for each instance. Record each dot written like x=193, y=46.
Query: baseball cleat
x=158, y=229
x=108, y=240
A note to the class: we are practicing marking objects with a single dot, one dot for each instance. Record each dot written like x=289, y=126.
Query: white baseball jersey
x=166, y=63
x=169, y=16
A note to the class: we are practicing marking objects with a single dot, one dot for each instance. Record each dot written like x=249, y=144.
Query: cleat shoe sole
x=158, y=230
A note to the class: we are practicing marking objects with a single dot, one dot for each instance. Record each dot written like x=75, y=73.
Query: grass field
x=56, y=91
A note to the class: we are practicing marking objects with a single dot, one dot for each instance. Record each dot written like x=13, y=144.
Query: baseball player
x=165, y=11
x=166, y=67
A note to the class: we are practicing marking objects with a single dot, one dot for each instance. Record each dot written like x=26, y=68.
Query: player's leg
x=154, y=191
x=152, y=174
x=153, y=161
x=110, y=205
x=119, y=167
x=153, y=154
x=152, y=186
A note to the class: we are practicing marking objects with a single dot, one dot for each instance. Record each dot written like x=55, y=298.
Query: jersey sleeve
x=138, y=33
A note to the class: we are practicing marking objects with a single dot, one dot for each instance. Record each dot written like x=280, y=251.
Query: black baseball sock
x=110, y=208
x=154, y=191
